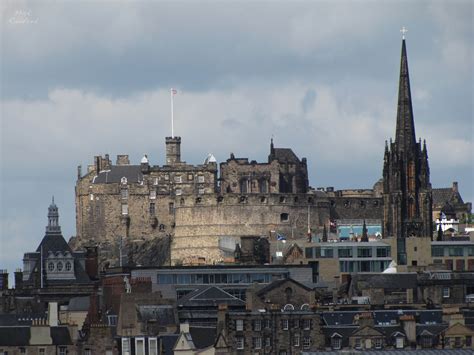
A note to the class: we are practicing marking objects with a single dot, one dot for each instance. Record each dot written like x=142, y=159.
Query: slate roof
x=209, y=296
x=20, y=336
x=388, y=281
x=164, y=315
x=434, y=329
x=445, y=194
x=60, y=336
x=285, y=155
x=14, y=336
x=79, y=304
x=133, y=173
x=278, y=283
x=168, y=341
x=53, y=242
x=203, y=336
x=423, y=317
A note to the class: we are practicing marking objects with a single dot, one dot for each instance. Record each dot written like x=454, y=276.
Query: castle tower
x=173, y=150
x=406, y=176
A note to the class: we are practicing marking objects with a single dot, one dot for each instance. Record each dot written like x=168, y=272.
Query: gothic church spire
x=405, y=132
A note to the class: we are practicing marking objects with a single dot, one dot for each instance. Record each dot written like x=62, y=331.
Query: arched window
x=288, y=307
x=244, y=186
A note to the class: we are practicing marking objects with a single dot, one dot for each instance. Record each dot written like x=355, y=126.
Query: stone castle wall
x=201, y=224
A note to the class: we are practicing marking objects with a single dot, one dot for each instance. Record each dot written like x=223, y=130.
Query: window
x=140, y=346
x=152, y=208
x=124, y=194
x=345, y=252
x=59, y=266
x=399, y=343
x=296, y=323
x=22, y=350
x=177, y=179
x=378, y=343
x=268, y=341
x=268, y=323
x=296, y=340
x=155, y=181
x=357, y=343
x=383, y=252
x=240, y=343
x=201, y=179
x=284, y=217
x=306, y=324
x=457, y=342
x=468, y=341
x=152, y=346
x=470, y=251
x=257, y=325
x=364, y=252
x=68, y=266
x=336, y=342
x=112, y=320
x=152, y=194
x=437, y=251
x=445, y=292
x=426, y=341
x=91, y=197
x=89, y=352
x=200, y=191
x=171, y=207
x=62, y=350
x=257, y=342
x=284, y=324
x=178, y=192
x=125, y=346
x=42, y=351
x=306, y=342
x=167, y=177
x=124, y=209
x=239, y=324
x=190, y=177
x=50, y=266
x=455, y=251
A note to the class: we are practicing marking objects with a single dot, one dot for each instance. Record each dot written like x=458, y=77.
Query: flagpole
x=172, y=114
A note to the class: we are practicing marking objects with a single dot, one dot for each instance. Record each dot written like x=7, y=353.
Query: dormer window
x=68, y=266
x=50, y=266
x=59, y=266
x=123, y=180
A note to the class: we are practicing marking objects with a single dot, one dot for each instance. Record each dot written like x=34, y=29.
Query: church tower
x=406, y=175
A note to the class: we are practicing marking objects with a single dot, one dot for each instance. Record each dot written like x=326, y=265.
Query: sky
x=83, y=78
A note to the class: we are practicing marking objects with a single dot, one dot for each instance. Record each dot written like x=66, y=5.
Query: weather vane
x=403, y=31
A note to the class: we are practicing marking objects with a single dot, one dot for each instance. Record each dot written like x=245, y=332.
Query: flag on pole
x=280, y=237
x=174, y=91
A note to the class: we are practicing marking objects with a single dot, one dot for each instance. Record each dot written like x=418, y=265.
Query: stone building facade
x=120, y=205
x=188, y=214
x=406, y=175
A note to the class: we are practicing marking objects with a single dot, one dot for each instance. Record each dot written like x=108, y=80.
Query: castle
x=195, y=214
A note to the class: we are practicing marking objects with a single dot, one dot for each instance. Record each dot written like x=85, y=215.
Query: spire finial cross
x=403, y=32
